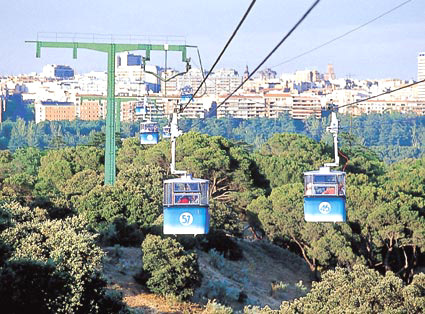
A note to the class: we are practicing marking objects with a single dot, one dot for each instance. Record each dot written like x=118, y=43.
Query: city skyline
x=386, y=48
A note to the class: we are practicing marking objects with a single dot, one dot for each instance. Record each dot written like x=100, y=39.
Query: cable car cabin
x=324, y=196
x=149, y=133
x=186, y=206
x=166, y=132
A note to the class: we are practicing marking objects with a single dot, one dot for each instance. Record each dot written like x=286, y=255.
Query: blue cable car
x=149, y=132
x=166, y=132
x=324, y=196
x=186, y=206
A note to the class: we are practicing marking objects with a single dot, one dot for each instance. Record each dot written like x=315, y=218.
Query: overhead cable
x=342, y=35
x=270, y=53
x=221, y=53
x=388, y=92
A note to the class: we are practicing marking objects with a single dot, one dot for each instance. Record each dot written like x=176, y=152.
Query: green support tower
x=113, y=111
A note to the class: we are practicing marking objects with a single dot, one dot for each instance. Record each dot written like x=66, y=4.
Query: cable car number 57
x=186, y=219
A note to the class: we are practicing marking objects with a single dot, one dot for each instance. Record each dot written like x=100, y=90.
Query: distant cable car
x=186, y=206
x=324, y=190
x=186, y=201
x=324, y=195
x=149, y=132
x=166, y=132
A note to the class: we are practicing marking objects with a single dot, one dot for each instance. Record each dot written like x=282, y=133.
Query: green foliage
x=213, y=307
x=285, y=157
x=223, y=291
x=231, y=170
x=122, y=233
x=216, y=259
x=28, y=286
x=136, y=197
x=281, y=217
x=171, y=269
x=224, y=217
x=65, y=245
x=218, y=240
x=359, y=290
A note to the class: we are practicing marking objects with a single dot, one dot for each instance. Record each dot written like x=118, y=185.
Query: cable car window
x=308, y=185
x=186, y=199
x=186, y=187
x=167, y=194
x=324, y=178
x=341, y=185
x=324, y=190
x=204, y=193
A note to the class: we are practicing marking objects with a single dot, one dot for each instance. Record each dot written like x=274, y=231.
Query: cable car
x=186, y=206
x=324, y=195
x=166, y=132
x=324, y=190
x=149, y=132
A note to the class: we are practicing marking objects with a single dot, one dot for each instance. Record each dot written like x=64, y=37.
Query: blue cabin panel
x=186, y=220
x=324, y=209
x=149, y=138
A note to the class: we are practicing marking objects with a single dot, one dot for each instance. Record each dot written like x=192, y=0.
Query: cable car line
x=342, y=35
x=382, y=94
x=221, y=53
x=268, y=56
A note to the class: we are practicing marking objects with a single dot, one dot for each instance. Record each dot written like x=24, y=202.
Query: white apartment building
x=305, y=106
x=242, y=106
x=277, y=103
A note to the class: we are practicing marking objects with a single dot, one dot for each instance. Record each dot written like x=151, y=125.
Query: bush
x=216, y=259
x=57, y=252
x=213, y=307
x=219, y=241
x=171, y=269
x=122, y=233
x=222, y=291
x=224, y=217
x=32, y=287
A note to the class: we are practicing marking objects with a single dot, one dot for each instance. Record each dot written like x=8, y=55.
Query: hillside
x=249, y=279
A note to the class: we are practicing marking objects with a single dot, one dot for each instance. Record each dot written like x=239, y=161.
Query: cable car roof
x=324, y=171
x=185, y=179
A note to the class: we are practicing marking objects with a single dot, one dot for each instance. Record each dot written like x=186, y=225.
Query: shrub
x=224, y=217
x=213, y=307
x=28, y=286
x=122, y=233
x=222, y=291
x=171, y=269
x=222, y=243
x=71, y=256
x=216, y=259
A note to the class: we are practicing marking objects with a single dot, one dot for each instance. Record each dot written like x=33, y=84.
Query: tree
x=56, y=250
x=321, y=245
x=171, y=270
x=285, y=157
x=360, y=290
x=136, y=196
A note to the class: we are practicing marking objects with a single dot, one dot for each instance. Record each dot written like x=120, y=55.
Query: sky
x=386, y=48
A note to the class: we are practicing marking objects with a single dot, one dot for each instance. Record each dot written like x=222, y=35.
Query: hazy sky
x=387, y=48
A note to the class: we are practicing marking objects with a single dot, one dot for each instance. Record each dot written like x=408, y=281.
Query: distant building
x=242, y=106
x=277, y=103
x=330, y=74
x=54, y=111
x=421, y=75
x=304, y=107
x=58, y=71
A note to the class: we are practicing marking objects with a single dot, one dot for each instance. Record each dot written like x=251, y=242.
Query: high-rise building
x=330, y=74
x=421, y=75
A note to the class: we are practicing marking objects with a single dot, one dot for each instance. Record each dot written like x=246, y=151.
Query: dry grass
x=263, y=264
